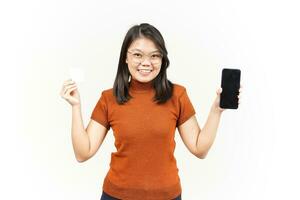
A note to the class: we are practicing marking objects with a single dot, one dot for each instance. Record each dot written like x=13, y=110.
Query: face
x=144, y=60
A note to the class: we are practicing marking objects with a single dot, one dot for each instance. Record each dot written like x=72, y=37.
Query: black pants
x=106, y=196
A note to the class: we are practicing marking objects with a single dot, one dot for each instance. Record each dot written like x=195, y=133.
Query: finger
x=69, y=81
x=69, y=87
x=71, y=84
x=219, y=91
x=68, y=95
x=66, y=85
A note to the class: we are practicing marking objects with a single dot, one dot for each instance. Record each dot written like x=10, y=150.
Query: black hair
x=163, y=87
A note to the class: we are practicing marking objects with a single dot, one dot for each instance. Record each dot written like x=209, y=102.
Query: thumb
x=219, y=91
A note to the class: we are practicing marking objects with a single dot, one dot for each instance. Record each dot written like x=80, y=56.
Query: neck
x=138, y=86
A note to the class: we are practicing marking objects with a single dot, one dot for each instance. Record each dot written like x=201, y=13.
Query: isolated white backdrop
x=255, y=154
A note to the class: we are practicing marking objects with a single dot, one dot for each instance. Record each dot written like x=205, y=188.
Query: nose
x=146, y=61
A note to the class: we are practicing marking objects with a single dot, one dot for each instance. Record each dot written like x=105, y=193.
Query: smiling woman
x=143, y=109
x=143, y=58
x=147, y=69
x=141, y=84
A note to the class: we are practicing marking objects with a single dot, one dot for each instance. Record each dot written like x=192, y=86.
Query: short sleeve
x=100, y=112
x=186, y=109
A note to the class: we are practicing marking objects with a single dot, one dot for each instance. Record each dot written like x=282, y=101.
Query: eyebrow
x=142, y=51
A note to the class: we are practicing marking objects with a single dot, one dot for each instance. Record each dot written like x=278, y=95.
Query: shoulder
x=178, y=89
x=106, y=94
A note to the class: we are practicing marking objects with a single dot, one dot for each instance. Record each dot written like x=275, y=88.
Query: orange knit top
x=144, y=166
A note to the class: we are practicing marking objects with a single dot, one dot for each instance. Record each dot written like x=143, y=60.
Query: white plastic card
x=77, y=74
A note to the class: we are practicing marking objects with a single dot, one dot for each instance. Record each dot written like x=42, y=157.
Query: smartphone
x=230, y=84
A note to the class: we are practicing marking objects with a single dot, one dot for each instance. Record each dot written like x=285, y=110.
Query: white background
x=256, y=151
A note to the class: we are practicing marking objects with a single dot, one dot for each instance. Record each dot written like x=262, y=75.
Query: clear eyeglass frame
x=139, y=57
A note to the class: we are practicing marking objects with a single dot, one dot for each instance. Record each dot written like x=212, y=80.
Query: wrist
x=75, y=107
x=215, y=111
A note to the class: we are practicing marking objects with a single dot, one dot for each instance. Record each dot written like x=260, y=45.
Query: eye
x=137, y=55
x=156, y=56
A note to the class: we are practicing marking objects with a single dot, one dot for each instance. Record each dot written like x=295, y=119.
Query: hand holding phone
x=230, y=84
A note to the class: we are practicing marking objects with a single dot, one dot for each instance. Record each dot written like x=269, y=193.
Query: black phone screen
x=230, y=84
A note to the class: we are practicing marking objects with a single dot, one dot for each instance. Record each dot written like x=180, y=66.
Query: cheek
x=157, y=69
x=132, y=68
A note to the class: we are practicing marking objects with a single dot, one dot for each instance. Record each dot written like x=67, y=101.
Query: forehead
x=143, y=44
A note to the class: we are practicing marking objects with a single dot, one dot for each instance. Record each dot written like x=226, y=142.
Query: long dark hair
x=163, y=87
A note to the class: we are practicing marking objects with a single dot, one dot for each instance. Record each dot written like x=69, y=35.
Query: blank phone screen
x=230, y=88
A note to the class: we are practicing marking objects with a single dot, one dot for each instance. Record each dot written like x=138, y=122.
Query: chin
x=144, y=80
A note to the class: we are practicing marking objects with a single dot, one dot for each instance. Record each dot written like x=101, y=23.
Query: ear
x=126, y=60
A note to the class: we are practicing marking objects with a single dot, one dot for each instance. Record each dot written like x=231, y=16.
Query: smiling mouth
x=144, y=71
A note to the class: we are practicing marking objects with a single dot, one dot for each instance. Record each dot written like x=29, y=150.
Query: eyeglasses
x=139, y=57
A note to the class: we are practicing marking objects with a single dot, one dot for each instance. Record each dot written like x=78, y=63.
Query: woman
x=143, y=108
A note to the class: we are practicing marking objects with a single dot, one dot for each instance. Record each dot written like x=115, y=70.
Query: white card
x=77, y=74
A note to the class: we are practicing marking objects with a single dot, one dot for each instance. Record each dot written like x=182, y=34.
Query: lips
x=145, y=70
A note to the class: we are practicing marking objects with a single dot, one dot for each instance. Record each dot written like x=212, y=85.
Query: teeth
x=145, y=70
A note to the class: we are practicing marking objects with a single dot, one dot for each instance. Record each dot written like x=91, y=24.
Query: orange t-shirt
x=144, y=166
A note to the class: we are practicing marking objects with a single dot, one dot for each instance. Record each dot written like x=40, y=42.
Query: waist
x=146, y=189
x=106, y=196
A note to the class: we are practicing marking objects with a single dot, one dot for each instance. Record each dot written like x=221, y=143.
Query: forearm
x=207, y=135
x=80, y=139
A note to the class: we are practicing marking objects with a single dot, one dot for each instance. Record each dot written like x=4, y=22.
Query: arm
x=200, y=141
x=208, y=134
x=85, y=142
x=196, y=140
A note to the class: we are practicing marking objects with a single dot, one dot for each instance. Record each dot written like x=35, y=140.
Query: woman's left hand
x=216, y=105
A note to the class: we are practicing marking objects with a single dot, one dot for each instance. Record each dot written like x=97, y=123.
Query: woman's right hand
x=70, y=93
